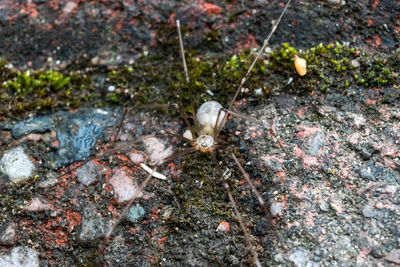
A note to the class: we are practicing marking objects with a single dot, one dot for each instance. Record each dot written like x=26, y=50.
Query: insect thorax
x=205, y=143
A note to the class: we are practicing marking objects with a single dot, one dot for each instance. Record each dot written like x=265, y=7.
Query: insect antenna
x=244, y=79
x=236, y=210
x=178, y=25
x=120, y=126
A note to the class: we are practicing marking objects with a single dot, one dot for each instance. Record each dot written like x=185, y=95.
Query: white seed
x=153, y=173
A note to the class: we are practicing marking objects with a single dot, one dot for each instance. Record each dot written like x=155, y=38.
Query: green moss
x=155, y=79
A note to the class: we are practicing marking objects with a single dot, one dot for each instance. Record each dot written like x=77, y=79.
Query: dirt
x=329, y=157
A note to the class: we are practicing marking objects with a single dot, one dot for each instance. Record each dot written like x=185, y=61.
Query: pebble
x=324, y=206
x=51, y=180
x=124, y=186
x=94, y=227
x=16, y=164
x=279, y=258
x=315, y=142
x=276, y=208
x=394, y=256
x=134, y=213
x=20, y=257
x=299, y=257
x=87, y=173
x=37, y=205
x=379, y=205
x=8, y=236
x=368, y=211
x=355, y=63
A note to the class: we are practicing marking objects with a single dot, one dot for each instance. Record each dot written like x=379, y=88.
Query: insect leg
x=265, y=43
x=237, y=214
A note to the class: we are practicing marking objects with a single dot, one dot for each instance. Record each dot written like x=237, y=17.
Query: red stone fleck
x=306, y=131
x=119, y=25
x=122, y=157
x=378, y=40
x=309, y=220
x=370, y=101
x=172, y=19
x=161, y=242
x=370, y=22
x=210, y=8
x=73, y=219
x=281, y=175
x=55, y=143
x=301, y=112
x=309, y=161
x=374, y=4
x=223, y=227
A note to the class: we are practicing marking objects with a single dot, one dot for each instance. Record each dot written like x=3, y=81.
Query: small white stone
x=276, y=208
x=111, y=88
x=20, y=257
x=258, y=91
x=16, y=164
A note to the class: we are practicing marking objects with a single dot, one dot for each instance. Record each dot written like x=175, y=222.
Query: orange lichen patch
x=210, y=8
x=73, y=219
x=223, y=227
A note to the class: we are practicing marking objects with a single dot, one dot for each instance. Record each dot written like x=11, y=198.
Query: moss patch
x=156, y=80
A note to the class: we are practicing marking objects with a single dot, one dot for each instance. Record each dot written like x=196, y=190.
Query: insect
x=203, y=136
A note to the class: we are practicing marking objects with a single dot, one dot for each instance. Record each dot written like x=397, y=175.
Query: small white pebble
x=258, y=91
x=111, y=88
x=276, y=208
x=210, y=92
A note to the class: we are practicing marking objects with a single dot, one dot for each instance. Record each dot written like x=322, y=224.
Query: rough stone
x=16, y=164
x=94, y=227
x=20, y=257
x=276, y=208
x=134, y=213
x=368, y=211
x=87, y=173
x=8, y=235
x=124, y=186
